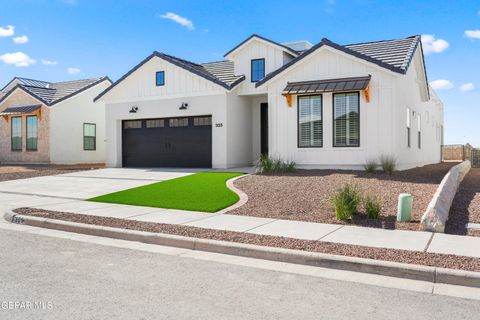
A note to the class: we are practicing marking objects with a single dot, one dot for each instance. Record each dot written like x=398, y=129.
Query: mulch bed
x=403, y=256
x=305, y=195
x=30, y=171
x=466, y=206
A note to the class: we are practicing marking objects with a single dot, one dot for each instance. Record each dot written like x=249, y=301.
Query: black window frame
x=163, y=78
x=251, y=69
x=21, y=134
x=27, y=131
x=94, y=137
x=359, y=120
x=298, y=120
x=419, y=130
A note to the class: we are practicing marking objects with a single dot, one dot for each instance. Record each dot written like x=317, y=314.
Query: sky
x=59, y=40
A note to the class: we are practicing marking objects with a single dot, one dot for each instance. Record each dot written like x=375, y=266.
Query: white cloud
x=441, y=84
x=20, y=40
x=7, y=32
x=49, y=62
x=467, y=87
x=73, y=70
x=432, y=45
x=70, y=2
x=178, y=19
x=19, y=59
x=472, y=34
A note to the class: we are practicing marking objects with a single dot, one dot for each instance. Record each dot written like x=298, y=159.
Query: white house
x=323, y=106
x=52, y=122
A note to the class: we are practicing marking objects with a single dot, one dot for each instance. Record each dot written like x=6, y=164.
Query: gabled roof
x=394, y=55
x=51, y=93
x=220, y=72
x=290, y=50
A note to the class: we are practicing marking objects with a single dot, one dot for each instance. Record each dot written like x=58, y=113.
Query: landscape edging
x=243, y=198
x=379, y=267
x=436, y=215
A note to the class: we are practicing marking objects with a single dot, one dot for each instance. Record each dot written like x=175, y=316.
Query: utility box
x=404, y=209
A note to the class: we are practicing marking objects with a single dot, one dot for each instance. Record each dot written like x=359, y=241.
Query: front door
x=264, y=128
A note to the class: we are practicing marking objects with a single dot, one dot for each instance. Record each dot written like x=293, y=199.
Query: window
x=160, y=78
x=202, y=121
x=408, y=127
x=310, y=126
x=419, y=131
x=346, y=120
x=16, y=134
x=258, y=69
x=32, y=133
x=132, y=124
x=179, y=122
x=89, y=136
x=156, y=123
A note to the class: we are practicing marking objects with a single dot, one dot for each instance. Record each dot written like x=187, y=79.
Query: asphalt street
x=52, y=278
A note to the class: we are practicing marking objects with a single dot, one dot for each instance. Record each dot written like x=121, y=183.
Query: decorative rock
x=436, y=215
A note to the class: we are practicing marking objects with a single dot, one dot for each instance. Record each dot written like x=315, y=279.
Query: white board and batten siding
x=181, y=86
x=275, y=57
x=376, y=117
x=426, y=113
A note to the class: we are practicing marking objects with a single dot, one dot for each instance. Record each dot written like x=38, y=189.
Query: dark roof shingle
x=51, y=93
x=394, y=55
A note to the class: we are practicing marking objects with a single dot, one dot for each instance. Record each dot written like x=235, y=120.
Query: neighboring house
x=52, y=122
x=322, y=106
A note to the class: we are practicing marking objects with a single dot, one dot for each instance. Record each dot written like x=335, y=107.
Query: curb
x=385, y=268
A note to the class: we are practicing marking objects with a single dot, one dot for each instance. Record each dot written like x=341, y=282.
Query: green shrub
x=388, y=163
x=370, y=166
x=372, y=206
x=346, y=201
x=269, y=165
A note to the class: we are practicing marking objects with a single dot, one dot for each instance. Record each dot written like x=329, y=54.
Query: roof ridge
x=380, y=41
x=29, y=86
x=24, y=78
x=70, y=81
x=203, y=63
x=177, y=58
x=264, y=39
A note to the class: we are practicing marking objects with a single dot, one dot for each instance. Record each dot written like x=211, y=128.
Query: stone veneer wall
x=42, y=155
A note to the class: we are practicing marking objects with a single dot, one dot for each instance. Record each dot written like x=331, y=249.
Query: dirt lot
x=466, y=205
x=306, y=194
x=30, y=171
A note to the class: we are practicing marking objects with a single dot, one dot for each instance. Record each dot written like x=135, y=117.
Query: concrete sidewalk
x=372, y=237
x=67, y=192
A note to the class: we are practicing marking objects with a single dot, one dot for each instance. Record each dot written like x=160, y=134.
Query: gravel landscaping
x=306, y=194
x=403, y=256
x=30, y=171
x=466, y=205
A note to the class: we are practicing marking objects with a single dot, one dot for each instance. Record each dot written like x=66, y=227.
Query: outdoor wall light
x=184, y=106
x=133, y=110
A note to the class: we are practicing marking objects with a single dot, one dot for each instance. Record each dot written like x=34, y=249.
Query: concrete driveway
x=85, y=184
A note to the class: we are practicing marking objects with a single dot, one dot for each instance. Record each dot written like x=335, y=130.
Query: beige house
x=44, y=122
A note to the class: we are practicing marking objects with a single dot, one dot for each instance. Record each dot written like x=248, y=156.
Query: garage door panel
x=176, y=146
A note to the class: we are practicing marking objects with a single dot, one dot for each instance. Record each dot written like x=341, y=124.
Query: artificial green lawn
x=204, y=191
